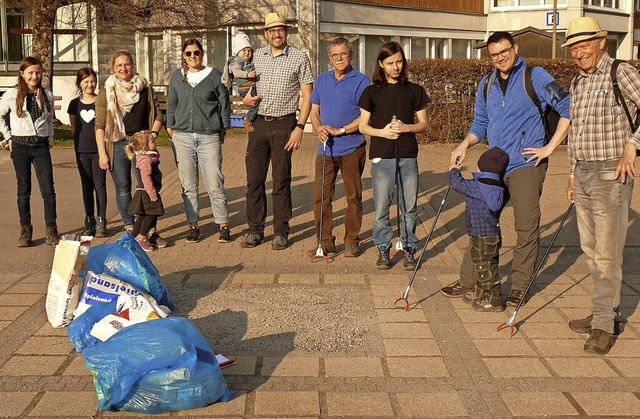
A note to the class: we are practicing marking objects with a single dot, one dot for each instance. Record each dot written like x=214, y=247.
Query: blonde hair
x=139, y=144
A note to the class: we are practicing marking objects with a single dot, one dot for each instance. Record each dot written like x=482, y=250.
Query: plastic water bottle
x=394, y=119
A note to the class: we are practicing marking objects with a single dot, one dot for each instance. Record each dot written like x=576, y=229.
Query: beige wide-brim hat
x=273, y=20
x=581, y=29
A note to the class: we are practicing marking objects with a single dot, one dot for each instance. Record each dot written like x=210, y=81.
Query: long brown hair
x=82, y=74
x=388, y=49
x=23, y=89
x=185, y=66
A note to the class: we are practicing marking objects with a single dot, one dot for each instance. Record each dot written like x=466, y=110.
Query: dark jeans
x=266, y=144
x=525, y=190
x=485, y=255
x=93, y=179
x=351, y=167
x=23, y=157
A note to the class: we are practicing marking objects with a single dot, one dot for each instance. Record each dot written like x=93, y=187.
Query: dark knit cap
x=494, y=160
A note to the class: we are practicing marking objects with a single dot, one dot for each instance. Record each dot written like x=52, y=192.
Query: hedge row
x=452, y=84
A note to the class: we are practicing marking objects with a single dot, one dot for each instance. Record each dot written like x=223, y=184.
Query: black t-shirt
x=401, y=100
x=84, y=137
x=138, y=118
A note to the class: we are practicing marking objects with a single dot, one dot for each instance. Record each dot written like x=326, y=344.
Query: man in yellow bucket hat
x=602, y=150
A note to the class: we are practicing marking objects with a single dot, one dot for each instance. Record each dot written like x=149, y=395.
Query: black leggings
x=143, y=224
x=92, y=178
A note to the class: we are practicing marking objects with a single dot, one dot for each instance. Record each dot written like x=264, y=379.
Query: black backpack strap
x=531, y=92
x=487, y=84
x=620, y=97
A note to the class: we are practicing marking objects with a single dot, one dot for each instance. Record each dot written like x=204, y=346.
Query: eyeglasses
x=504, y=53
x=196, y=53
x=339, y=56
x=274, y=31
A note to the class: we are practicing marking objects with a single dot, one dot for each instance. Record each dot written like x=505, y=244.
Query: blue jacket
x=512, y=122
x=484, y=202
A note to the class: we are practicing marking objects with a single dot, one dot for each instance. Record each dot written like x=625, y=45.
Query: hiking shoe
x=514, y=298
x=89, y=228
x=250, y=240
x=456, y=290
x=194, y=234
x=101, y=227
x=584, y=325
x=279, y=243
x=409, y=262
x=157, y=241
x=143, y=241
x=384, y=257
x=52, y=236
x=326, y=251
x=225, y=235
x=599, y=342
x=488, y=302
x=351, y=250
x=26, y=234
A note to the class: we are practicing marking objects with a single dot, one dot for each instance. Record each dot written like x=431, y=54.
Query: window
x=530, y=3
x=71, y=43
x=611, y=4
x=460, y=48
x=216, y=49
x=418, y=48
x=439, y=48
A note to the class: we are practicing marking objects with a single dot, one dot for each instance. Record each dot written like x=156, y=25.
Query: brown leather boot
x=26, y=234
x=52, y=237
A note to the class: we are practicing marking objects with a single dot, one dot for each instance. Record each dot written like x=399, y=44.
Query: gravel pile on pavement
x=278, y=319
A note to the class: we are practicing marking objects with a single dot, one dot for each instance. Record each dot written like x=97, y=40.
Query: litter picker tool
x=511, y=322
x=398, y=247
x=424, y=250
x=320, y=251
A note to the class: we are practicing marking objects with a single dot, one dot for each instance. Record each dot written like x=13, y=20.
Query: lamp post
x=555, y=26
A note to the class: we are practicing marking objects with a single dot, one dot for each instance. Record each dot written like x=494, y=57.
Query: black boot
x=52, y=236
x=89, y=226
x=101, y=227
x=26, y=234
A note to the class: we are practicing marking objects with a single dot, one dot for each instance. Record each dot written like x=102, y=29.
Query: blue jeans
x=602, y=209
x=203, y=150
x=121, y=175
x=383, y=177
x=23, y=157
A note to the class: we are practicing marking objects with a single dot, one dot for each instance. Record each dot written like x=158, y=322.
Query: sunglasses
x=195, y=53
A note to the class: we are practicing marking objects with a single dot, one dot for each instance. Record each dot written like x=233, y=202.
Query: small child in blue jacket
x=485, y=196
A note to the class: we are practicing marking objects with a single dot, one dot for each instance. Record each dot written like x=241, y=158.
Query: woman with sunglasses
x=125, y=106
x=198, y=115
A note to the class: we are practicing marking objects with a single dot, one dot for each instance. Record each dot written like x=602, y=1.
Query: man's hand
x=626, y=167
x=170, y=132
x=295, y=139
x=458, y=155
x=570, y=190
x=538, y=153
x=251, y=100
x=324, y=133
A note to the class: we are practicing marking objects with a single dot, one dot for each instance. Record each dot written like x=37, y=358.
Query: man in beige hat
x=283, y=72
x=602, y=151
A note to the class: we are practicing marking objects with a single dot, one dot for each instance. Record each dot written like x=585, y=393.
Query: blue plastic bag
x=156, y=366
x=126, y=260
x=80, y=328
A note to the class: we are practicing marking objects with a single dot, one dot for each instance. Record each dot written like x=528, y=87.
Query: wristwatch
x=343, y=130
x=155, y=133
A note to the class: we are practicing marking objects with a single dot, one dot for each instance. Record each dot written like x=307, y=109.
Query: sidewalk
x=440, y=359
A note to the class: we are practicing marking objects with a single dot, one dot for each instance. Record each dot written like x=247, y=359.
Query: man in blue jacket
x=510, y=120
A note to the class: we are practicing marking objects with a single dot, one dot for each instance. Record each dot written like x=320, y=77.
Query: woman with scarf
x=124, y=106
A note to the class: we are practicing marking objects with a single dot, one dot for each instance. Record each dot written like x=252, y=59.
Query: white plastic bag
x=103, y=288
x=67, y=277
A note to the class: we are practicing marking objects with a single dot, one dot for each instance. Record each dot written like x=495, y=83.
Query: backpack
x=549, y=116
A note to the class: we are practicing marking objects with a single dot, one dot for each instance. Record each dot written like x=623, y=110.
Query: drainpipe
x=5, y=34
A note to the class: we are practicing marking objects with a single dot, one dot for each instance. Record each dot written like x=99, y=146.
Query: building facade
x=425, y=28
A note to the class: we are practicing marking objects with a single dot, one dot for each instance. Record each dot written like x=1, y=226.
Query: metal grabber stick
x=424, y=250
x=319, y=251
x=398, y=247
x=511, y=322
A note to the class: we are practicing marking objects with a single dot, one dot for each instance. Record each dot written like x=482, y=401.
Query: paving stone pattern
x=440, y=359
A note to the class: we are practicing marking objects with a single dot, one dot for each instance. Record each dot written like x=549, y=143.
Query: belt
x=597, y=165
x=277, y=118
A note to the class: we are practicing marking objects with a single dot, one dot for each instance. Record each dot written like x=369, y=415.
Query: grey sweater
x=204, y=109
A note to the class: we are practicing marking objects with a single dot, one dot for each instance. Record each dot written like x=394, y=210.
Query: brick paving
x=440, y=359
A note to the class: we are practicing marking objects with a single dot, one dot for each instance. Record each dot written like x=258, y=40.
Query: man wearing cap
x=509, y=119
x=283, y=72
x=335, y=116
x=602, y=151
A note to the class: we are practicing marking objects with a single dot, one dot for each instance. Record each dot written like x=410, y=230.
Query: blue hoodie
x=484, y=202
x=512, y=122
